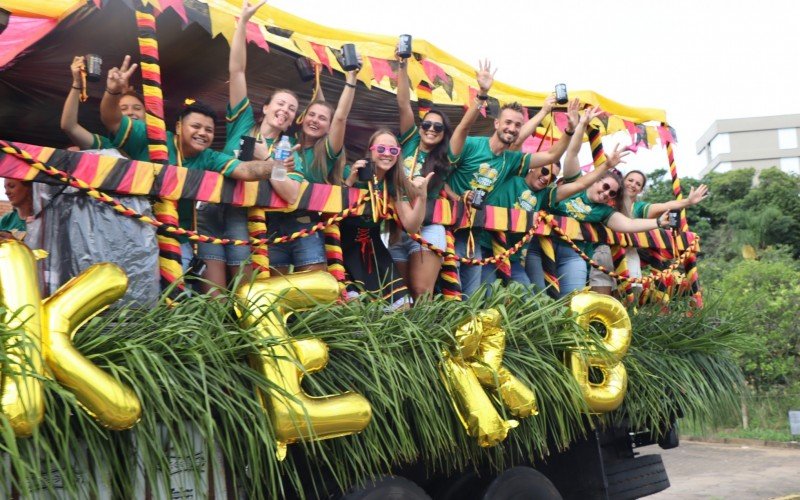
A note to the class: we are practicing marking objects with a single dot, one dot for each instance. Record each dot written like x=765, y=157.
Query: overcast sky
x=699, y=60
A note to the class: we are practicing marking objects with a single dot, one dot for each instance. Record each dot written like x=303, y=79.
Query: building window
x=723, y=167
x=787, y=138
x=791, y=165
x=720, y=144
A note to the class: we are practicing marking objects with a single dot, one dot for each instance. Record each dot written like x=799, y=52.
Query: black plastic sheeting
x=34, y=85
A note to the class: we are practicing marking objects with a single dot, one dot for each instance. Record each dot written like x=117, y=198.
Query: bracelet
x=114, y=93
x=483, y=97
x=569, y=133
x=77, y=88
x=351, y=85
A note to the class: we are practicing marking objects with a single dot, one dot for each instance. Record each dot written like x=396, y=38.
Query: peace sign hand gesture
x=249, y=11
x=117, y=80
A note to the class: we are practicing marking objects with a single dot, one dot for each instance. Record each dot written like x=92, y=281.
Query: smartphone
x=561, y=93
x=366, y=172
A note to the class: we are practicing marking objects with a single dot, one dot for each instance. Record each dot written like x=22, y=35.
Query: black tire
x=460, y=487
x=387, y=488
x=521, y=483
x=636, y=478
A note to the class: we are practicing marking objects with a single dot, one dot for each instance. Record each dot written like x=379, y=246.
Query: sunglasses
x=437, y=126
x=383, y=149
x=611, y=192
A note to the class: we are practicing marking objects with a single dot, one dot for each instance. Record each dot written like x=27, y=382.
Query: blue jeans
x=302, y=251
x=571, y=269
x=468, y=275
x=223, y=221
x=518, y=273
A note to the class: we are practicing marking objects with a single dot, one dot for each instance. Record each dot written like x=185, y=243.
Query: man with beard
x=482, y=162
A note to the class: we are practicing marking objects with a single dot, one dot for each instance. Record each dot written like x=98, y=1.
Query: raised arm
x=237, y=60
x=583, y=182
x=485, y=79
x=695, y=197
x=339, y=120
x=404, y=97
x=571, y=165
x=531, y=125
x=623, y=224
x=116, y=83
x=69, y=115
x=553, y=154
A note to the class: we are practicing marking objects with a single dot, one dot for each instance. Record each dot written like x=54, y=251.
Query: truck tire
x=521, y=483
x=670, y=438
x=387, y=488
x=635, y=478
x=466, y=485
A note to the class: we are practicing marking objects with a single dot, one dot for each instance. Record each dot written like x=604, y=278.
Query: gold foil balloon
x=294, y=414
x=21, y=392
x=608, y=394
x=480, y=346
x=111, y=402
x=49, y=326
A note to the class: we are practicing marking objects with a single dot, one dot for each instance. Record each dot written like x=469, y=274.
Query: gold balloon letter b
x=607, y=394
x=294, y=414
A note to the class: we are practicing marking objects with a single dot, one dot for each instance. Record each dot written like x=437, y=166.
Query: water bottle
x=282, y=152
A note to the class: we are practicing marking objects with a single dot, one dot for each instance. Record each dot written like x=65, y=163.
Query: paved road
x=722, y=471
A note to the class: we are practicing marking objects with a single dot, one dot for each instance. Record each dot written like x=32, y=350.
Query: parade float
x=281, y=388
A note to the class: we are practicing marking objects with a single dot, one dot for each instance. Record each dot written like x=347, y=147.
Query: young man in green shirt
x=189, y=147
x=483, y=162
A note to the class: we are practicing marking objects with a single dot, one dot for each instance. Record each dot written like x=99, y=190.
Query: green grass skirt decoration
x=188, y=365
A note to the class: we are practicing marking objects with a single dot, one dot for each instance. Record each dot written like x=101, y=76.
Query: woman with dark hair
x=366, y=258
x=426, y=150
x=14, y=223
x=634, y=183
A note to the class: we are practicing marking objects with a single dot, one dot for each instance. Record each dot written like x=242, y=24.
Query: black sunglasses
x=437, y=126
x=611, y=193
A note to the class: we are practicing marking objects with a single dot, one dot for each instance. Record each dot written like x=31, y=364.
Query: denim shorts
x=433, y=234
x=223, y=221
x=300, y=252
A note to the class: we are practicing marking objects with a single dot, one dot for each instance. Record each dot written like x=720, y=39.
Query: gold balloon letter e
x=294, y=414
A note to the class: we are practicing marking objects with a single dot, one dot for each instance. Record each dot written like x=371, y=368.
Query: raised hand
x=591, y=113
x=697, y=195
x=249, y=11
x=485, y=76
x=573, y=113
x=419, y=185
x=117, y=81
x=75, y=68
x=617, y=156
x=549, y=103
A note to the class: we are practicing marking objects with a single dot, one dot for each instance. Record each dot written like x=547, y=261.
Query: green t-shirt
x=479, y=168
x=414, y=158
x=640, y=209
x=240, y=121
x=305, y=167
x=580, y=208
x=515, y=193
x=101, y=142
x=132, y=138
x=12, y=222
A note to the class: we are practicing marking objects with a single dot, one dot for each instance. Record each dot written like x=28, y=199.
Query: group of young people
x=420, y=161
